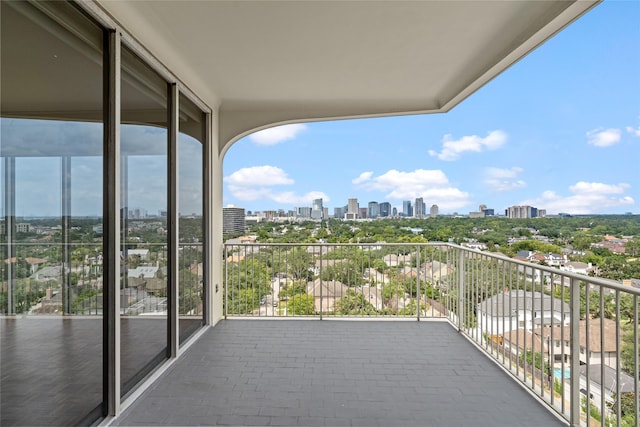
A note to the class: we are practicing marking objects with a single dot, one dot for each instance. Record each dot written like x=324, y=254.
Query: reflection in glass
x=190, y=194
x=51, y=167
x=143, y=165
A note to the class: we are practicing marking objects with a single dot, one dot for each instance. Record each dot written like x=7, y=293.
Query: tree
x=354, y=303
x=535, y=359
x=301, y=304
x=628, y=351
x=632, y=247
x=299, y=262
x=243, y=301
x=296, y=288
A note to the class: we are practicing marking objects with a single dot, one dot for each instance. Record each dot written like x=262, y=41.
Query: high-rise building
x=362, y=213
x=316, y=209
x=353, y=209
x=522, y=212
x=304, y=212
x=407, y=208
x=232, y=220
x=385, y=209
x=374, y=210
x=433, y=212
x=338, y=213
x=420, y=208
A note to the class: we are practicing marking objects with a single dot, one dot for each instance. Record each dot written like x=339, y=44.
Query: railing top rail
x=607, y=283
x=343, y=244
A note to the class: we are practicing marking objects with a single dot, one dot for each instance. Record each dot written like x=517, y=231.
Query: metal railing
x=66, y=279
x=571, y=339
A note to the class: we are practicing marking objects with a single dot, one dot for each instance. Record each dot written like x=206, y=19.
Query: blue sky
x=559, y=130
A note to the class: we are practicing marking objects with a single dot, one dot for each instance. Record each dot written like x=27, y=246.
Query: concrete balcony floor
x=335, y=373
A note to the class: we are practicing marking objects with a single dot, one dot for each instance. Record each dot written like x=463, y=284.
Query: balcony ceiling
x=266, y=62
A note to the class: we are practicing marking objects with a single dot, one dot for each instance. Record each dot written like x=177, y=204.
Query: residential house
x=330, y=290
x=520, y=309
x=598, y=383
x=393, y=260
x=577, y=267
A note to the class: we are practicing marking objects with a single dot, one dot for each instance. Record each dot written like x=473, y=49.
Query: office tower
x=385, y=209
x=522, y=212
x=407, y=208
x=419, y=208
x=304, y=212
x=316, y=209
x=232, y=220
x=353, y=209
x=433, y=212
x=374, y=210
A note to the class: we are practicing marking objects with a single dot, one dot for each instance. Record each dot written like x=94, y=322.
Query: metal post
x=461, y=290
x=418, y=282
x=225, y=287
x=321, y=283
x=575, y=352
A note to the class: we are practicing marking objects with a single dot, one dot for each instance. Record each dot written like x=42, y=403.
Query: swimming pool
x=557, y=373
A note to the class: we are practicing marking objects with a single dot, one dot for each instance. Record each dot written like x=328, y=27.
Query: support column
x=208, y=286
x=172, y=224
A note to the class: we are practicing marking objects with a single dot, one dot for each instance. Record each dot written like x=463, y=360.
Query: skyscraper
x=374, y=210
x=433, y=212
x=521, y=212
x=232, y=220
x=353, y=209
x=317, y=209
x=420, y=208
x=407, y=208
x=385, y=209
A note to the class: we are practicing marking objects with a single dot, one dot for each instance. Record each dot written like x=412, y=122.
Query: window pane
x=143, y=165
x=51, y=184
x=190, y=180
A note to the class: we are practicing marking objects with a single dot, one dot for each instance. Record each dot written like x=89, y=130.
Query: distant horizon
x=2, y=219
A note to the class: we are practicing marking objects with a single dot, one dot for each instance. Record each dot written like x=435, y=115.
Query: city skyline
x=560, y=130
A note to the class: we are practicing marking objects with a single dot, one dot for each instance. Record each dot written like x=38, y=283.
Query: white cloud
x=633, y=131
x=364, y=176
x=432, y=185
x=603, y=137
x=452, y=149
x=504, y=179
x=278, y=134
x=587, y=198
x=255, y=183
x=262, y=176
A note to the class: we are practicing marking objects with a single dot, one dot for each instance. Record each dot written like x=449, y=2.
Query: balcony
x=335, y=373
x=272, y=363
